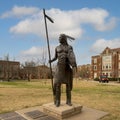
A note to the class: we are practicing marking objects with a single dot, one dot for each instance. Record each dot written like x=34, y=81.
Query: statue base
x=63, y=111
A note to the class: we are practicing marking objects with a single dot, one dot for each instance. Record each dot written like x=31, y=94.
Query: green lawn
x=22, y=94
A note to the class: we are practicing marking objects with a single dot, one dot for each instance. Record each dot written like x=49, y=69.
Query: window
x=107, y=59
x=107, y=62
x=109, y=66
x=119, y=73
x=95, y=75
x=119, y=65
x=106, y=66
x=95, y=67
x=103, y=67
x=95, y=60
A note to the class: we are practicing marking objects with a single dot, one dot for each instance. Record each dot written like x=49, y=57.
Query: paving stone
x=7, y=115
x=11, y=116
x=35, y=114
x=16, y=118
x=46, y=118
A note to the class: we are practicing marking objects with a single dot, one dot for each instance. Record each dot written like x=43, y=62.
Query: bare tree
x=43, y=58
x=42, y=61
x=29, y=68
x=38, y=68
x=7, y=68
x=30, y=64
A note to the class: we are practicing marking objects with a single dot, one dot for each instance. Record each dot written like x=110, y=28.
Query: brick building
x=108, y=63
x=35, y=72
x=9, y=69
x=84, y=71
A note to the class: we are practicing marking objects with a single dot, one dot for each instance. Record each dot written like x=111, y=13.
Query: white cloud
x=20, y=12
x=68, y=22
x=32, y=51
x=97, y=18
x=35, y=53
x=101, y=44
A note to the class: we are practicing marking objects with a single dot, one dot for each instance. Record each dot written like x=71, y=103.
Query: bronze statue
x=65, y=68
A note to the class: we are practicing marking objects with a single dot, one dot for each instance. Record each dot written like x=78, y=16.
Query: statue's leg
x=54, y=87
x=68, y=95
x=58, y=94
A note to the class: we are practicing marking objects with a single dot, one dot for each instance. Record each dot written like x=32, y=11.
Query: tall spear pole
x=48, y=45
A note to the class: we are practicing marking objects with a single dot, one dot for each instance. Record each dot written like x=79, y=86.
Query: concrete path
x=36, y=113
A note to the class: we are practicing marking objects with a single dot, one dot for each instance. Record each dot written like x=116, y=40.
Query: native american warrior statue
x=65, y=68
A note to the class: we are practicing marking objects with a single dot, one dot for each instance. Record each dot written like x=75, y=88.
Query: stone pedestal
x=63, y=111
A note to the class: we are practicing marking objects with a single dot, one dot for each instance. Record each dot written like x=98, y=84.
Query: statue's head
x=63, y=39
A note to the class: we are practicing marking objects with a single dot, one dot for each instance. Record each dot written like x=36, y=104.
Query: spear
x=50, y=19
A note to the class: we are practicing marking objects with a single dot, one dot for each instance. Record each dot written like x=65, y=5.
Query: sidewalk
x=36, y=113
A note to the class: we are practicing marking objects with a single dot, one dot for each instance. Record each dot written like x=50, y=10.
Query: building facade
x=35, y=72
x=108, y=63
x=9, y=69
x=84, y=71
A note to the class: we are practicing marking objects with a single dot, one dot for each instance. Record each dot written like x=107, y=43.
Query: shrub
x=96, y=79
x=114, y=79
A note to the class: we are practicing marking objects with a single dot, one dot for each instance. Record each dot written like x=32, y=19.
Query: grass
x=22, y=94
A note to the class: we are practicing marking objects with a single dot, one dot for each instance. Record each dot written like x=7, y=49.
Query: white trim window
x=95, y=75
x=119, y=66
x=119, y=74
x=119, y=56
x=95, y=60
x=95, y=67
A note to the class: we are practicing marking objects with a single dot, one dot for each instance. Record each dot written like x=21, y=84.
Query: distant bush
x=96, y=79
x=114, y=79
x=110, y=79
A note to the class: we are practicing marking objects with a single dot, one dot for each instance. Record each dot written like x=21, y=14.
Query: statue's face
x=62, y=39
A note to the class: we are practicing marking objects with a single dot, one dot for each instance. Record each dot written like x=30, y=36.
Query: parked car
x=104, y=78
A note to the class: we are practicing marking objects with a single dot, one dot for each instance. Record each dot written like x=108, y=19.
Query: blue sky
x=94, y=23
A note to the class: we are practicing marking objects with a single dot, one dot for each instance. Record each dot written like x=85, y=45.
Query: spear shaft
x=48, y=48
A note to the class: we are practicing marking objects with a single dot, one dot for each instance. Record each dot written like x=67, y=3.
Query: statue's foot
x=69, y=104
x=57, y=104
x=54, y=102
